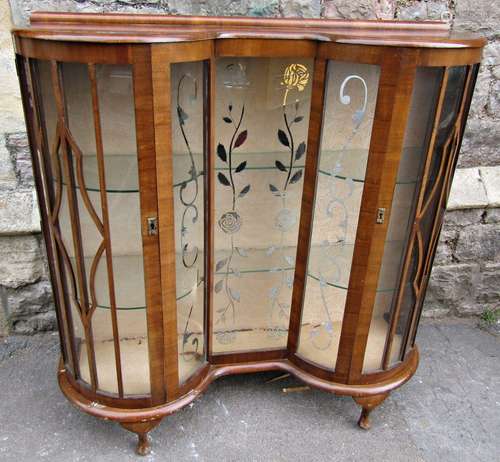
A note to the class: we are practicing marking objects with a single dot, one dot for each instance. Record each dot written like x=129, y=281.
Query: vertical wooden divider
x=397, y=75
x=105, y=222
x=308, y=200
x=163, y=56
x=145, y=133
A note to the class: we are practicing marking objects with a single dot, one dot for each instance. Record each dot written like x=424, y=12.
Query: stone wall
x=466, y=277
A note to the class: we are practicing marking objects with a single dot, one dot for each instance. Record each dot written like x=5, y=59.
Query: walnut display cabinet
x=232, y=195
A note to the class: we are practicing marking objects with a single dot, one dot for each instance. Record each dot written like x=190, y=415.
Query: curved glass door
x=350, y=100
x=90, y=137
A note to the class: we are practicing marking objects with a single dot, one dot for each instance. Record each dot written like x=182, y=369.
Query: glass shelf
x=122, y=177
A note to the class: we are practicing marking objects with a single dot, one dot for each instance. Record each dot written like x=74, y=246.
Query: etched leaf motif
x=241, y=139
x=270, y=250
x=273, y=188
x=220, y=264
x=223, y=179
x=289, y=281
x=237, y=272
x=241, y=252
x=273, y=292
x=241, y=167
x=283, y=138
x=235, y=295
x=296, y=176
x=301, y=149
x=280, y=166
x=228, y=120
x=244, y=191
x=289, y=259
x=298, y=119
x=221, y=152
x=329, y=327
x=322, y=281
x=218, y=286
x=181, y=115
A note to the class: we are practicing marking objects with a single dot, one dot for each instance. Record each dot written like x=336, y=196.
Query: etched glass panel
x=416, y=141
x=188, y=145
x=262, y=114
x=350, y=100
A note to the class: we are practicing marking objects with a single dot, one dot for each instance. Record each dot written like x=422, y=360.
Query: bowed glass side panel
x=402, y=214
x=350, y=101
x=93, y=163
x=188, y=102
x=261, y=122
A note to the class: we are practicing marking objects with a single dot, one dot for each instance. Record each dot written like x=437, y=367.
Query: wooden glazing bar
x=208, y=139
x=395, y=312
x=397, y=77
x=210, y=206
x=75, y=222
x=56, y=265
x=308, y=201
x=146, y=150
x=105, y=223
x=166, y=219
x=35, y=142
x=454, y=137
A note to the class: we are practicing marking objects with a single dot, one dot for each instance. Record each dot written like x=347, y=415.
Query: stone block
x=488, y=288
x=481, y=16
x=492, y=215
x=478, y=243
x=452, y=288
x=467, y=190
x=491, y=181
x=462, y=217
x=480, y=143
x=348, y=9
x=481, y=97
x=420, y=11
x=301, y=8
x=21, y=260
x=446, y=245
x=18, y=147
x=19, y=212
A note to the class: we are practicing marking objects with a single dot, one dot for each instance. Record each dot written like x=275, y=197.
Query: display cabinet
x=232, y=195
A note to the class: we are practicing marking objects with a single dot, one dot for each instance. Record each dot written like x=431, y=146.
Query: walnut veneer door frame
x=29, y=51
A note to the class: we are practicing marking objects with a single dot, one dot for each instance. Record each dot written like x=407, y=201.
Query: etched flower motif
x=285, y=219
x=230, y=222
x=295, y=76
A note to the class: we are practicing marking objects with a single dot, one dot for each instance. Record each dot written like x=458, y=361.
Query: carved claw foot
x=368, y=403
x=141, y=429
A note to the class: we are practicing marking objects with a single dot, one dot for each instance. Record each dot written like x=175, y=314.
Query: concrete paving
x=450, y=411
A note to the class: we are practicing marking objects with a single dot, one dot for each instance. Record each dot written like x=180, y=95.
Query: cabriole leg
x=368, y=403
x=141, y=429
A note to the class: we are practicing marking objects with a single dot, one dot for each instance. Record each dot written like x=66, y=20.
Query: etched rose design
x=230, y=222
x=285, y=219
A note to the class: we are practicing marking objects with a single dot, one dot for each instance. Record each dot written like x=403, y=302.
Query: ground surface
x=450, y=411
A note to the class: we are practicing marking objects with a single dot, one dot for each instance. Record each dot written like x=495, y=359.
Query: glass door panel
x=188, y=102
x=262, y=114
x=418, y=132
x=98, y=221
x=350, y=100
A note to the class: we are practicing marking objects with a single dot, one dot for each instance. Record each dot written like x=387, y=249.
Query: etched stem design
x=188, y=195
x=295, y=78
x=230, y=223
x=337, y=211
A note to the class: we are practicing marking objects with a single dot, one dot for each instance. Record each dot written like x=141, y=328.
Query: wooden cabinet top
x=134, y=28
